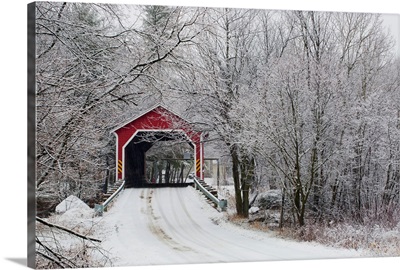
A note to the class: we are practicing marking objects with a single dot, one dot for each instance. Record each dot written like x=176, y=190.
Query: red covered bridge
x=135, y=137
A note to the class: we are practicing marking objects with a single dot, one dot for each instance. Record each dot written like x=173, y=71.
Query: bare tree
x=220, y=77
x=52, y=253
x=314, y=99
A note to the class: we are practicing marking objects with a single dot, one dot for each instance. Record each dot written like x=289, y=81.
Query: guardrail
x=100, y=208
x=221, y=203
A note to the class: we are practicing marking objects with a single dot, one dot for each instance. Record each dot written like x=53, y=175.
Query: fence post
x=98, y=209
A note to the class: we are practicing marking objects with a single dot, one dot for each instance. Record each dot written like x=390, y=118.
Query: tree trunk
x=181, y=173
x=236, y=180
x=167, y=172
x=247, y=167
x=160, y=169
x=282, y=209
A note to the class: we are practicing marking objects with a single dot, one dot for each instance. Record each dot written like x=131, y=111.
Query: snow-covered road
x=176, y=226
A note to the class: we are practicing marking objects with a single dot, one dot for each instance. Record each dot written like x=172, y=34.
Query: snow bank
x=74, y=214
x=270, y=199
x=254, y=210
x=78, y=213
x=72, y=202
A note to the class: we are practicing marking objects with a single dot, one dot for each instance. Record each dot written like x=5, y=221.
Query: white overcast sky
x=393, y=22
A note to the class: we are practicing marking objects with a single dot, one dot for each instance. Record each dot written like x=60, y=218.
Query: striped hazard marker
x=198, y=165
x=119, y=166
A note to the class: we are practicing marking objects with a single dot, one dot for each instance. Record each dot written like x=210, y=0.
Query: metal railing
x=221, y=203
x=100, y=208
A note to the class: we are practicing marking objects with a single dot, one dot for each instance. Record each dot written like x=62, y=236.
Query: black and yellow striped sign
x=119, y=166
x=198, y=165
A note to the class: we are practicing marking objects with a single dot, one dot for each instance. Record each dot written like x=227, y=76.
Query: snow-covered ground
x=177, y=226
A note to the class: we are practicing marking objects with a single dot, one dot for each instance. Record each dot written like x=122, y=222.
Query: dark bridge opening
x=161, y=168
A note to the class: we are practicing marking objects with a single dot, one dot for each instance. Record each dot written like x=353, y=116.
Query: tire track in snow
x=224, y=243
x=178, y=230
x=214, y=249
x=155, y=227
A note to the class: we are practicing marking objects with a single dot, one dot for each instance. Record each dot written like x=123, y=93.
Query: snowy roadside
x=243, y=228
x=369, y=240
x=64, y=239
x=177, y=226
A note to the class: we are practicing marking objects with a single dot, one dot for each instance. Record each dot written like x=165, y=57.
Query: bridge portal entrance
x=166, y=165
x=136, y=137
